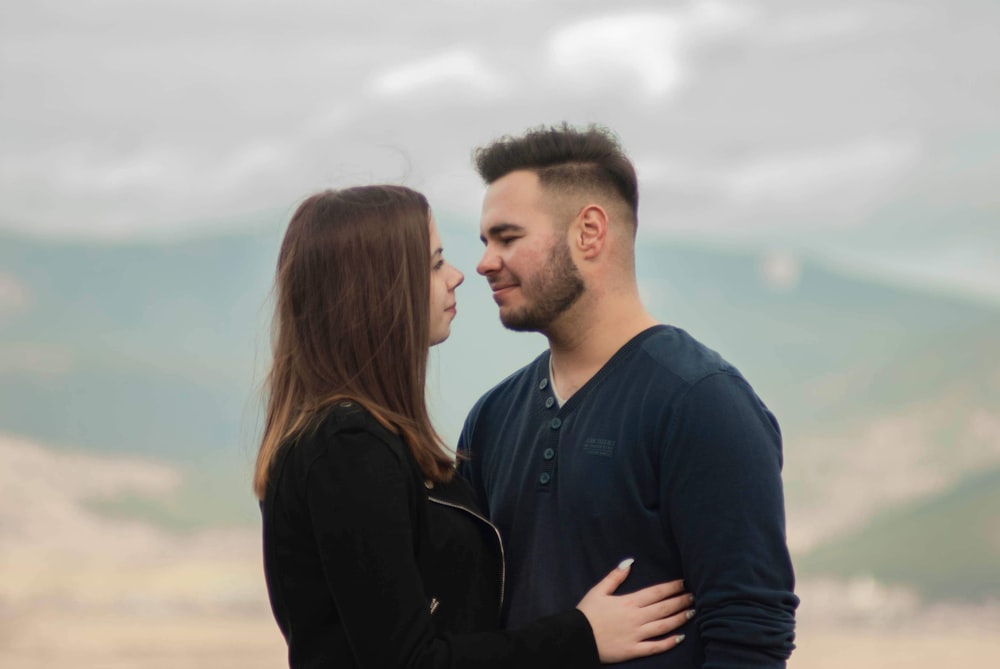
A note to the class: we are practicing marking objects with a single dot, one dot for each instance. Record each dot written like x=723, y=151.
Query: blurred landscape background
x=818, y=203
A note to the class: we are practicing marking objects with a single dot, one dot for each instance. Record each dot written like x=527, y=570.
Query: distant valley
x=889, y=398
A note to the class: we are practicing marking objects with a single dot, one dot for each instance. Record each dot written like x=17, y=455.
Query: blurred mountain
x=948, y=546
x=94, y=325
x=888, y=397
x=141, y=349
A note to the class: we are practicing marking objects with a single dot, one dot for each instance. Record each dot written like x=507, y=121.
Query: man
x=627, y=438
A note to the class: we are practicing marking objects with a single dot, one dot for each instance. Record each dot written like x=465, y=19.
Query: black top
x=368, y=566
x=665, y=455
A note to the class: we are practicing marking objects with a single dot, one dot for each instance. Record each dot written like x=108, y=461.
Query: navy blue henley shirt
x=665, y=455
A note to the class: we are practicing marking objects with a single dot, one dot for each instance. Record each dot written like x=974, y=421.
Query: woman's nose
x=457, y=279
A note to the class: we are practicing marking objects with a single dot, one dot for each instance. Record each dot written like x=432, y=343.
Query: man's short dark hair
x=565, y=157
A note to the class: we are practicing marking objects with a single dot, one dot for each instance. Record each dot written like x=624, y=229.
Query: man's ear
x=590, y=231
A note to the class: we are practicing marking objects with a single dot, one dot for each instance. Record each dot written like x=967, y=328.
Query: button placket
x=549, y=454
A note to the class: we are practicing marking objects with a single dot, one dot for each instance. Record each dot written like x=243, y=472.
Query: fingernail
x=626, y=563
x=679, y=638
x=691, y=598
x=690, y=614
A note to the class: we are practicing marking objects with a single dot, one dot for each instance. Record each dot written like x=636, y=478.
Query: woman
x=374, y=552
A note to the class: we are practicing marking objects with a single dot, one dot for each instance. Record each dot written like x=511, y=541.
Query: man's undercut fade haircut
x=564, y=157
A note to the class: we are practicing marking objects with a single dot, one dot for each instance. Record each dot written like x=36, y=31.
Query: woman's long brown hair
x=351, y=321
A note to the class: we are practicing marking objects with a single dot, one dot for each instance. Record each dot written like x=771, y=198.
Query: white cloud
x=810, y=28
x=122, y=121
x=800, y=175
x=654, y=170
x=257, y=158
x=862, y=165
x=650, y=47
x=88, y=169
x=646, y=46
x=154, y=187
x=456, y=67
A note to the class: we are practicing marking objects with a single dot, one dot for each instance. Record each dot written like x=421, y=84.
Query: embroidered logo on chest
x=600, y=447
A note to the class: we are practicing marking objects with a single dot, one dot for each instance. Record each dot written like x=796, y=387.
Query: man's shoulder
x=699, y=373
x=674, y=351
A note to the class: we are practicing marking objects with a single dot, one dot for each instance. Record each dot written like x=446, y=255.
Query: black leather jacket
x=369, y=566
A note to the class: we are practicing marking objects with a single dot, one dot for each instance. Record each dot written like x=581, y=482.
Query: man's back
x=665, y=455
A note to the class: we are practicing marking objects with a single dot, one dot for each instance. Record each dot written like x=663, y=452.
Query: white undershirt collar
x=552, y=384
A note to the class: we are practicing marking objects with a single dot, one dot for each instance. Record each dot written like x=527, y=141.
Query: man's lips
x=501, y=291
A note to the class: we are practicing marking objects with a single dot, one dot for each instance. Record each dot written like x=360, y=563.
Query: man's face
x=527, y=260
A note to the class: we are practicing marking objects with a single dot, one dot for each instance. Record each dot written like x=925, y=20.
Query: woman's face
x=444, y=280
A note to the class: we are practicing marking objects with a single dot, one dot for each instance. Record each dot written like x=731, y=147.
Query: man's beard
x=553, y=290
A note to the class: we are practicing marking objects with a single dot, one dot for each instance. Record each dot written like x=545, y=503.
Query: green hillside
x=947, y=547
x=152, y=333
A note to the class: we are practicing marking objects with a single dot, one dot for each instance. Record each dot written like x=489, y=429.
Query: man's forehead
x=510, y=194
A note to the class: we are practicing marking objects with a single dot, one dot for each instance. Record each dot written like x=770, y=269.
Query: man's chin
x=519, y=322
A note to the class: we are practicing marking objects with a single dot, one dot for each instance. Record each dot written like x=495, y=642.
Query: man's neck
x=584, y=340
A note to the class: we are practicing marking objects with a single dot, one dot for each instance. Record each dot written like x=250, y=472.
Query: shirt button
x=549, y=402
x=556, y=423
x=543, y=384
x=549, y=454
x=544, y=478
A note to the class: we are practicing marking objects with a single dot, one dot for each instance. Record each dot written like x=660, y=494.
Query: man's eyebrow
x=499, y=229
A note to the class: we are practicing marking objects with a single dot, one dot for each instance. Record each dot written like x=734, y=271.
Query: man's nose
x=490, y=262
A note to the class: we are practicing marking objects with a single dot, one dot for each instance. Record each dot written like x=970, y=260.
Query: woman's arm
x=361, y=498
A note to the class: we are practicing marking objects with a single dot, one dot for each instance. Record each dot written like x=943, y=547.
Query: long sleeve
x=467, y=466
x=721, y=482
x=361, y=504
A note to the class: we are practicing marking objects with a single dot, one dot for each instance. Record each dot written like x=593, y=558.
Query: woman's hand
x=626, y=626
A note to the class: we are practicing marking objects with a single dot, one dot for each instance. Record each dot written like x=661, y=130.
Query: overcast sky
x=805, y=121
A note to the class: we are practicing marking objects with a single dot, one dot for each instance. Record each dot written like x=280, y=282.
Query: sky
x=864, y=131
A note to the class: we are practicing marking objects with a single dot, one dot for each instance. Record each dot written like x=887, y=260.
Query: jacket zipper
x=503, y=558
